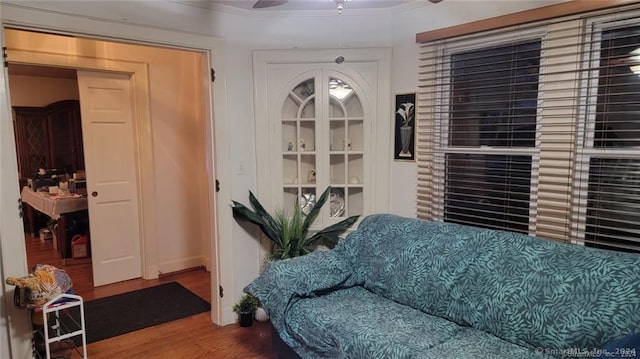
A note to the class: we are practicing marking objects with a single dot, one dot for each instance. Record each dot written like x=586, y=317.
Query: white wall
x=41, y=91
x=396, y=29
x=244, y=32
x=319, y=31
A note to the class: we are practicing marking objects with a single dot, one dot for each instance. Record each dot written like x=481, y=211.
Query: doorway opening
x=50, y=156
x=171, y=147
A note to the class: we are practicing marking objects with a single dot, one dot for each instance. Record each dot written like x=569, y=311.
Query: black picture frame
x=404, y=125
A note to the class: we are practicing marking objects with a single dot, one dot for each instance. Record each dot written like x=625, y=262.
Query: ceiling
x=308, y=4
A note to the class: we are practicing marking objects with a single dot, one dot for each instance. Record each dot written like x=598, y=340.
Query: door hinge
x=221, y=291
x=213, y=75
x=217, y=186
x=4, y=56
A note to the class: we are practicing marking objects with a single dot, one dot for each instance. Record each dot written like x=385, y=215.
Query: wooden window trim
x=522, y=17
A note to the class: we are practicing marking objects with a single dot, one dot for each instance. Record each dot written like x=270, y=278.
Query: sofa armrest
x=285, y=281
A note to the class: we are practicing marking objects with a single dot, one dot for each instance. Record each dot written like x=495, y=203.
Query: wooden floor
x=192, y=337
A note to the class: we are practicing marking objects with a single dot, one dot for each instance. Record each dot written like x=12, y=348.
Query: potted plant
x=245, y=308
x=289, y=232
x=261, y=314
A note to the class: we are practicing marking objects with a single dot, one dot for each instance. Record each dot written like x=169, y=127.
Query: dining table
x=61, y=208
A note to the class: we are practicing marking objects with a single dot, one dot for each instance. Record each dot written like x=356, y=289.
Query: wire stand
x=63, y=319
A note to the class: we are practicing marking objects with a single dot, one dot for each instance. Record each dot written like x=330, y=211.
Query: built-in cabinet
x=323, y=146
x=49, y=137
x=323, y=124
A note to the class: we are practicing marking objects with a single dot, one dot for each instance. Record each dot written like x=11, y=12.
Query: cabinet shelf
x=346, y=118
x=346, y=153
x=289, y=153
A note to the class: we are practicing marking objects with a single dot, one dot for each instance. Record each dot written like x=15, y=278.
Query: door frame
x=145, y=183
x=217, y=142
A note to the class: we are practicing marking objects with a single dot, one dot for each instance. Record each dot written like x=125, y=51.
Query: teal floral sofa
x=406, y=288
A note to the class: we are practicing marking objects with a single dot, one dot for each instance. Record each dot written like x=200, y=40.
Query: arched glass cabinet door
x=322, y=132
x=299, y=148
x=346, y=148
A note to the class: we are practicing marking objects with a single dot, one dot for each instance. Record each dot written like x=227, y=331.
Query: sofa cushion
x=526, y=290
x=356, y=323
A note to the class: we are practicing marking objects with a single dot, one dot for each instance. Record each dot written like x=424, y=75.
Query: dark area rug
x=123, y=313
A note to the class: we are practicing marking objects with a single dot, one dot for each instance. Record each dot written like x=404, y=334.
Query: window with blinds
x=535, y=129
x=492, y=110
x=609, y=175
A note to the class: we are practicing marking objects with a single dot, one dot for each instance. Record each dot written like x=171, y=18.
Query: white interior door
x=107, y=108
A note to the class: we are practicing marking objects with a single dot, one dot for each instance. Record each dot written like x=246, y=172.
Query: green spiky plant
x=246, y=304
x=289, y=233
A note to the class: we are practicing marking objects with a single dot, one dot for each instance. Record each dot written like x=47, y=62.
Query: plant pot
x=261, y=315
x=245, y=319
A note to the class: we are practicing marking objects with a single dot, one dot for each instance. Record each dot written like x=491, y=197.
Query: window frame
x=585, y=137
x=443, y=102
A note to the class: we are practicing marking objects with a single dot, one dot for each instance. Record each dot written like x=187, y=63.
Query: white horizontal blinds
x=558, y=109
x=427, y=191
x=480, y=137
x=536, y=129
x=608, y=175
x=493, y=111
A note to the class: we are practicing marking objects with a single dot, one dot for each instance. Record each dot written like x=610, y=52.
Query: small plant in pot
x=245, y=308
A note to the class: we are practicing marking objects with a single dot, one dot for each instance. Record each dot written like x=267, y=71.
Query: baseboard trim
x=182, y=271
x=180, y=264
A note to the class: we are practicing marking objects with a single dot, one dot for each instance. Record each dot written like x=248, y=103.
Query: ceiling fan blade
x=260, y=4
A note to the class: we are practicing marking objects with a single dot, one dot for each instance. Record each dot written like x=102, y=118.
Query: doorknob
x=94, y=194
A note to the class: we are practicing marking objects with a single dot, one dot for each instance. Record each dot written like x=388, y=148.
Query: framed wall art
x=405, y=128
